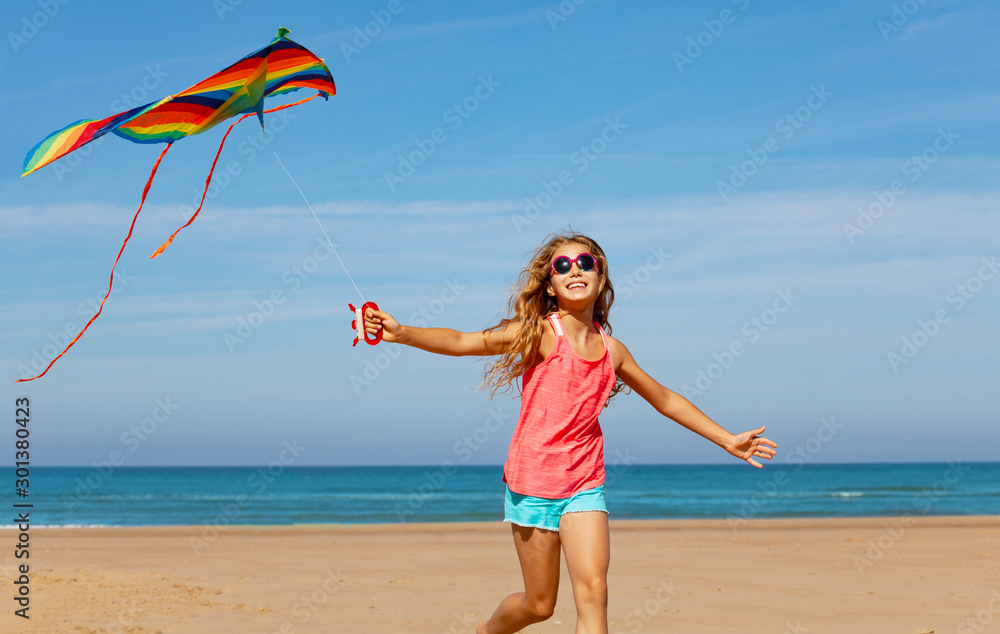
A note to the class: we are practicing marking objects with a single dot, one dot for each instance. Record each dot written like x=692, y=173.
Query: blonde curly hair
x=530, y=304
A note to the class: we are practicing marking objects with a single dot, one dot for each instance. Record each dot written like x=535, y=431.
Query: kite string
x=208, y=179
x=325, y=234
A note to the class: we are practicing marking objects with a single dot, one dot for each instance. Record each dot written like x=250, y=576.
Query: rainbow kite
x=281, y=66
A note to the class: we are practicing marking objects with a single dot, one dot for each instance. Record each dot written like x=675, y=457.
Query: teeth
x=577, y=285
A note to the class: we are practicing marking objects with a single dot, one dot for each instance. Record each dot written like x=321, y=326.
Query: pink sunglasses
x=563, y=265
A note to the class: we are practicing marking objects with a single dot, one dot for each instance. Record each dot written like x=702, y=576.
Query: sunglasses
x=563, y=265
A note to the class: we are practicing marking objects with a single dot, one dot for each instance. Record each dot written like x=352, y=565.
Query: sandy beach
x=908, y=575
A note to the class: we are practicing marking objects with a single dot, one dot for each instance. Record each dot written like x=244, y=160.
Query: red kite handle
x=359, y=325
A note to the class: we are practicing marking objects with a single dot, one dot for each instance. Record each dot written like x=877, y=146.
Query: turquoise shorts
x=525, y=510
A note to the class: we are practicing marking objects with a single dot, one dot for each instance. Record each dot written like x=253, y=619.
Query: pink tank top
x=558, y=448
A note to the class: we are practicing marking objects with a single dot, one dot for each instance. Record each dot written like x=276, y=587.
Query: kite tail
x=111, y=282
x=208, y=180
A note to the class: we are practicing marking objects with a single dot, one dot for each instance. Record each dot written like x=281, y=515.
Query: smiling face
x=577, y=289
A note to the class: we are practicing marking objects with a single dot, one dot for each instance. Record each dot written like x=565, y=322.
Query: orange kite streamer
x=280, y=67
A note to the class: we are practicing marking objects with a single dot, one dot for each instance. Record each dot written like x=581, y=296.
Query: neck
x=577, y=319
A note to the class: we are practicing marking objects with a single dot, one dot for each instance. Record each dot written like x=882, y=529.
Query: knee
x=541, y=609
x=593, y=590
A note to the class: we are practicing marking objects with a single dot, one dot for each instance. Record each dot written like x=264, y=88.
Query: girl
x=557, y=342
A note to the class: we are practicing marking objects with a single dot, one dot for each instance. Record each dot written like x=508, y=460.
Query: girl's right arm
x=441, y=340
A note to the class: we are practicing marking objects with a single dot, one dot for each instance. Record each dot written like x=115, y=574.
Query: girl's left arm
x=744, y=446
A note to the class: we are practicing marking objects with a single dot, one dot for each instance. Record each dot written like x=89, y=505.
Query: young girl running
x=557, y=341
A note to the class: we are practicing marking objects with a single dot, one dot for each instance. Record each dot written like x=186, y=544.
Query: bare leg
x=538, y=552
x=586, y=542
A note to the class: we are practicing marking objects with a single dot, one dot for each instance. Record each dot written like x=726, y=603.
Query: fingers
x=762, y=450
x=760, y=454
x=375, y=316
x=380, y=321
x=373, y=320
x=750, y=444
x=756, y=435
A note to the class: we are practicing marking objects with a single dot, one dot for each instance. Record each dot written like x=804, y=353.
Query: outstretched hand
x=376, y=320
x=749, y=444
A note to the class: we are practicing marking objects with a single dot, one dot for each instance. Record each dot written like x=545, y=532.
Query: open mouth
x=576, y=285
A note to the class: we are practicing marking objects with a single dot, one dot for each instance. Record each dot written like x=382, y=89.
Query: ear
x=548, y=289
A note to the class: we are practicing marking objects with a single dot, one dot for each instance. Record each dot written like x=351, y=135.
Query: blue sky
x=799, y=204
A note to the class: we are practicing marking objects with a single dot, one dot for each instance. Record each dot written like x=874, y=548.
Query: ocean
x=277, y=495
